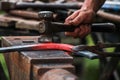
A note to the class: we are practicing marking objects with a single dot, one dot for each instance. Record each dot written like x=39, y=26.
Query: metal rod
x=51, y=6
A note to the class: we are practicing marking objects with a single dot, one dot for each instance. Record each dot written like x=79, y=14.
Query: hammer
x=46, y=26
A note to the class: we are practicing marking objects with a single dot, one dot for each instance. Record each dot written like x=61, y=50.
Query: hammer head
x=7, y=5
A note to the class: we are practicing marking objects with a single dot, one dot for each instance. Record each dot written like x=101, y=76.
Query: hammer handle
x=53, y=27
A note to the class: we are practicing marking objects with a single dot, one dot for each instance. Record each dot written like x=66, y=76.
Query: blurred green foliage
x=3, y=63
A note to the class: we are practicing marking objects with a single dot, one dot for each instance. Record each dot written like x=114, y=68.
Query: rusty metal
x=34, y=64
x=51, y=6
x=54, y=27
x=58, y=74
x=46, y=15
x=39, y=71
x=48, y=27
x=34, y=14
x=26, y=64
x=91, y=52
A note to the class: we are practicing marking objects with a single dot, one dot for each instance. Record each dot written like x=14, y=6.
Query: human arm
x=83, y=17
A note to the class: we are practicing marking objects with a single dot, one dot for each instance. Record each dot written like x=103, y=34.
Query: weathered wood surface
x=6, y=20
x=18, y=23
x=23, y=26
x=25, y=14
x=33, y=64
